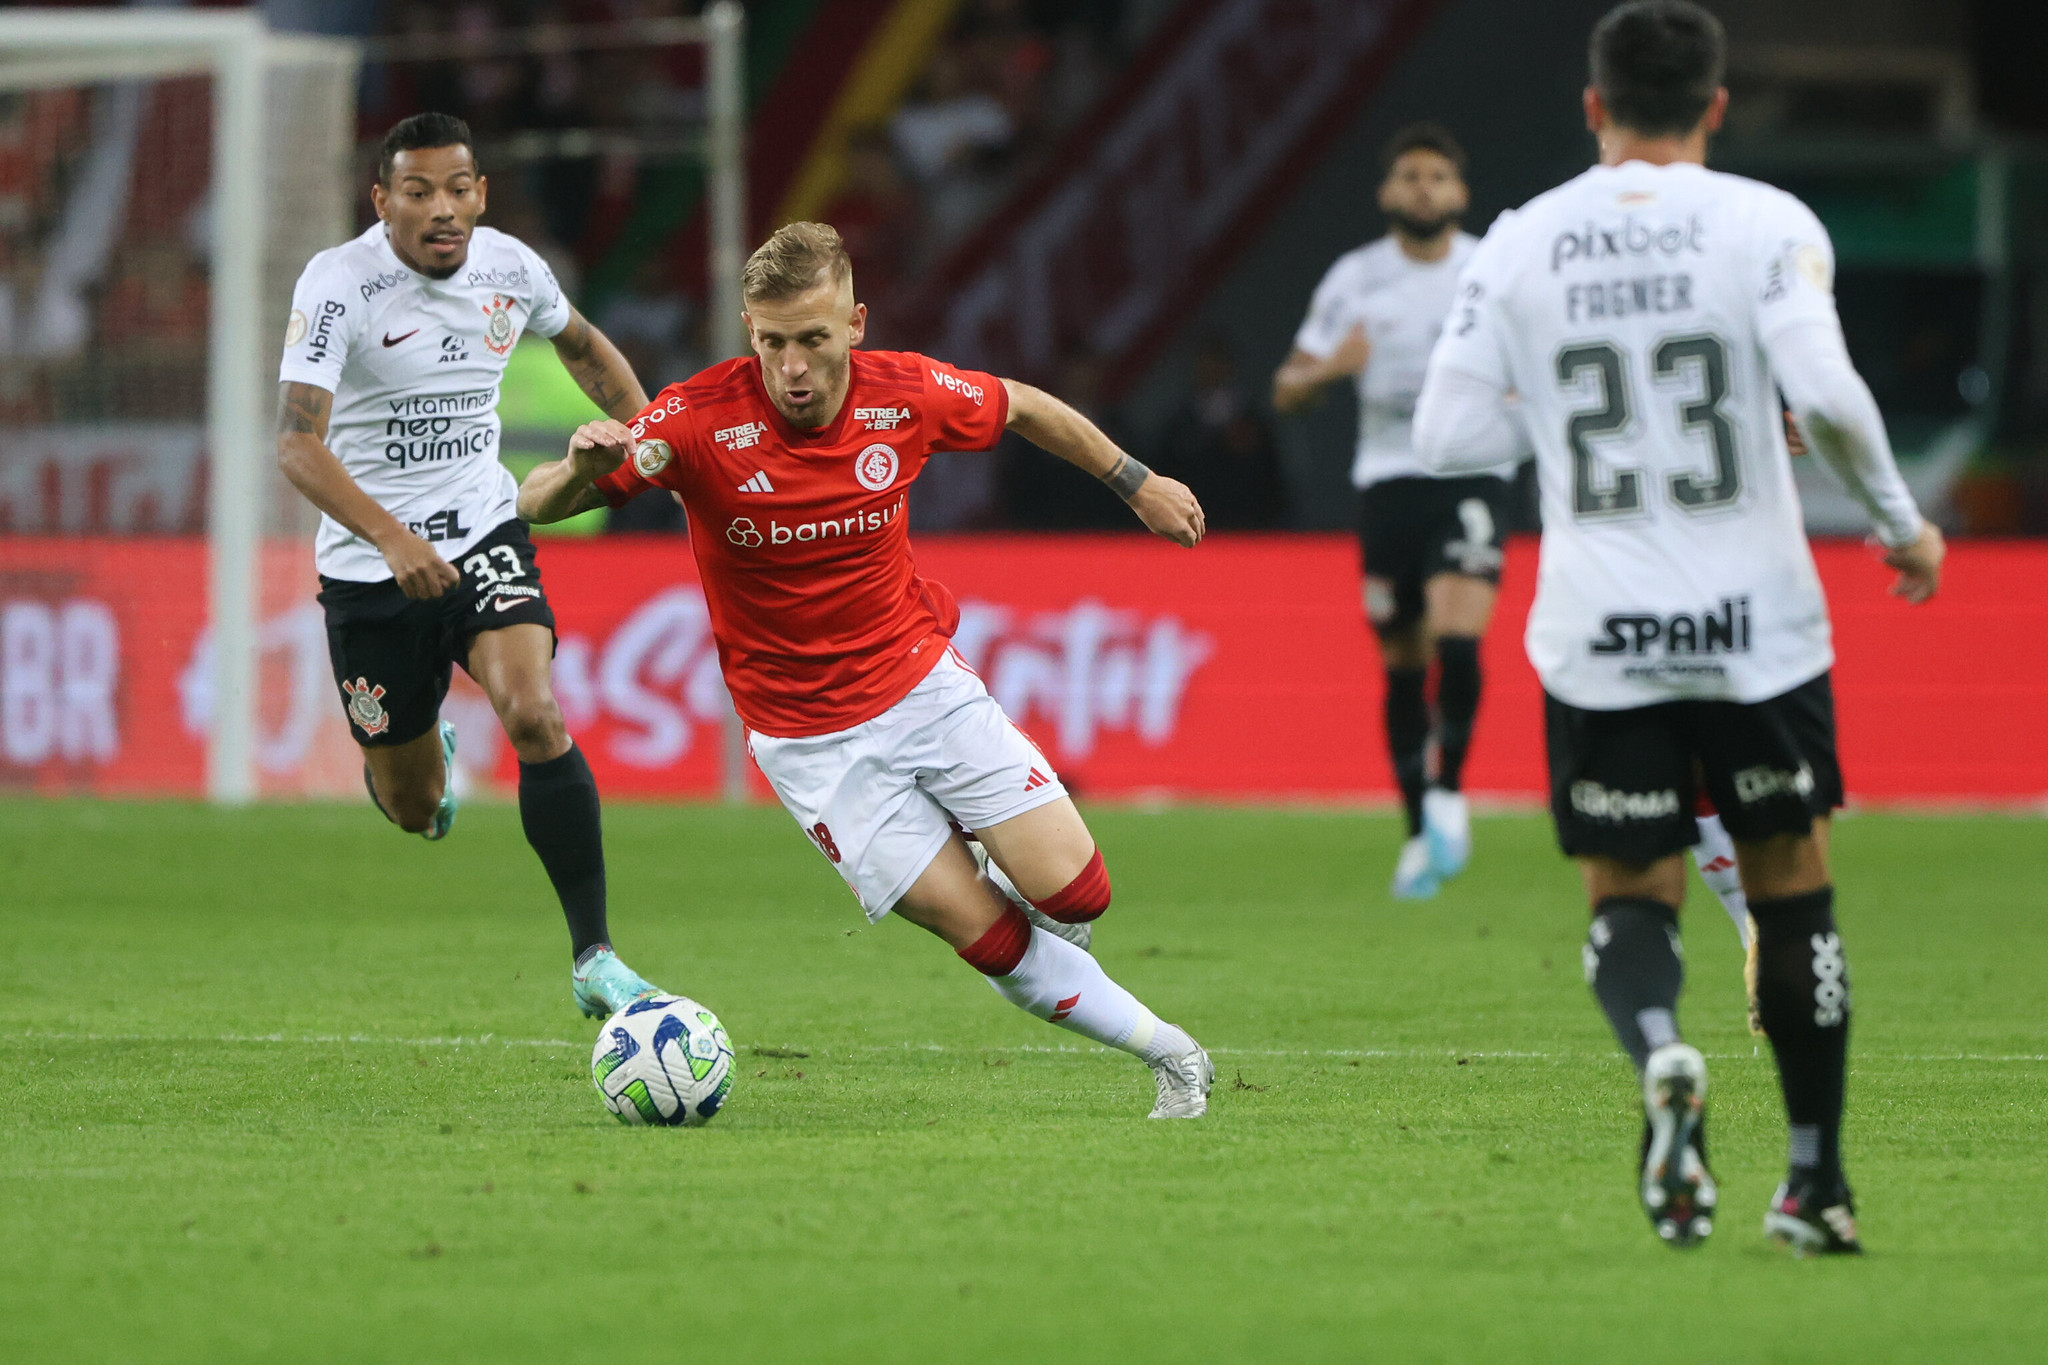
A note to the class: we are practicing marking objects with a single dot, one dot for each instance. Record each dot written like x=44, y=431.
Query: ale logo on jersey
x=651, y=457
x=876, y=467
x=499, y=333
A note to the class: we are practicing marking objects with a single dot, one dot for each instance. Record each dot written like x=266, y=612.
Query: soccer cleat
x=1447, y=826
x=1812, y=1219
x=1414, y=872
x=1080, y=935
x=1678, y=1191
x=1184, y=1083
x=603, y=984
x=444, y=814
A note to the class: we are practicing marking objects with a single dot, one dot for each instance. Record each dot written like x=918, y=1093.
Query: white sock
x=1714, y=855
x=1063, y=985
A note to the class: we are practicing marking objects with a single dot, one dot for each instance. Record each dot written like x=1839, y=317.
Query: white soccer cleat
x=1414, y=871
x=1184, y=1083
x=1447, y=825
x=1678, y=1191
x=1080, y=935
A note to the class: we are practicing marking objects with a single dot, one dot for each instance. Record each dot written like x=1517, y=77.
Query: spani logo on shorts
x=651, y=457
x=743, y=532
x=875, y=467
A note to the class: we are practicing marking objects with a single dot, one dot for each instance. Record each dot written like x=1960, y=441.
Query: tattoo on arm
x=588, y=366
x=1126, y=477
x=303, y=409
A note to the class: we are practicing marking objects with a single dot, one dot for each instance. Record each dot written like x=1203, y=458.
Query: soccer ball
x=663, y=1060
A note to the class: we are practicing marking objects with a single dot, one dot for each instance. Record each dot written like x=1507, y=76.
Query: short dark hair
x=1656, y=64
x=1425, y=136
x=418, y=132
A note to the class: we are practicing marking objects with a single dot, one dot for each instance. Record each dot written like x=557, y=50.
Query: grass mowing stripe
x=1220, y=1051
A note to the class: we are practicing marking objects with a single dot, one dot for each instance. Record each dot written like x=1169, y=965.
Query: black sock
x=1802, y=991
x=1457, y=703
x=1633, y=966
x=1408, y=738
x=558, y=808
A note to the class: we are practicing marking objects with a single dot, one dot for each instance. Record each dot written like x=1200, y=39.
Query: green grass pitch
x=287, y=1086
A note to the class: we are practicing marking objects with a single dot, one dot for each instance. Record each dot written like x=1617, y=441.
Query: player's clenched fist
x=417, y=567
x=1168, y=508
x=598, y=447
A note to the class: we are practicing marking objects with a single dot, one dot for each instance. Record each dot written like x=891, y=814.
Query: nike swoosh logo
x=390, y=340
x=502, y=605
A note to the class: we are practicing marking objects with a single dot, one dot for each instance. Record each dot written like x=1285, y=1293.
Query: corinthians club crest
x=366, y=706
x=499, y=333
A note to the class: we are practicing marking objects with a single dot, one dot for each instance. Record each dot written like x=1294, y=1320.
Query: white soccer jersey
x=1402, y=303
x=414, y=365
x=1632, y=309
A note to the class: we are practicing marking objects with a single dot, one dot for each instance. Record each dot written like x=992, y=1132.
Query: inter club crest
x=366, y=706
x=875, y=467
x=499, y=333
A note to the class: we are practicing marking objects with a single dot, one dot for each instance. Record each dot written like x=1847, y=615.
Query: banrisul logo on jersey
x=499, y=331
x=746, y=534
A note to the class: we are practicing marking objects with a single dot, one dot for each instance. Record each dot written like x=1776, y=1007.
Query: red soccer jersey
x=821, y=619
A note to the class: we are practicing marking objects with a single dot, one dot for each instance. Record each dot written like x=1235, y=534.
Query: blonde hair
x=789, y=262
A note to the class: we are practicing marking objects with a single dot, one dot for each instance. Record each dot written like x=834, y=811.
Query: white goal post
x=271, y=207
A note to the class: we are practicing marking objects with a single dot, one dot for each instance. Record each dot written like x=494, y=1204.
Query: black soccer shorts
x=394, y=657
x=1622, y=782
x=1412, y=529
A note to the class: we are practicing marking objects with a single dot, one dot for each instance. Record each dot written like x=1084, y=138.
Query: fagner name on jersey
x=1628, y=298
x=1723, y=630
x=1630, y=237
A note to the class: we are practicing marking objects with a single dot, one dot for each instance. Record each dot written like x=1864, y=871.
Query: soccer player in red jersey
x=794, y=465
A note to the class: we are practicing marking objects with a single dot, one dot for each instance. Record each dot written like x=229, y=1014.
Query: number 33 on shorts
x=488, y=575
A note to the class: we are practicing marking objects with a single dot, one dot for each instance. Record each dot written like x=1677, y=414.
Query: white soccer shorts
x=879, y=799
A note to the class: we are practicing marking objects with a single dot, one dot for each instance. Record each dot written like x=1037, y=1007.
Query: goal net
x=164, y=177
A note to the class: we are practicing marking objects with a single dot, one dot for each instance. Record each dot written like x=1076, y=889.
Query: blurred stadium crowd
x=587, y=128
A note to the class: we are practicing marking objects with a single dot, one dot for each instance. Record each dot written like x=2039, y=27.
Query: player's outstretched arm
x=1166, y=506
x=562, y=488
x=1301, y=376
x=1841, y=422
x=1463, y=423
x=599, y=369
x=303, y=456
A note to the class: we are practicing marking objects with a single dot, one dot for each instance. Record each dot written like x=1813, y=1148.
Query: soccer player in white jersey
x=1430, y=543
x=1647, y=313
x=388, y=423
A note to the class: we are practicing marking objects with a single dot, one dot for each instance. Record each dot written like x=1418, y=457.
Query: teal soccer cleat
x=603, y=984
x=444, y=814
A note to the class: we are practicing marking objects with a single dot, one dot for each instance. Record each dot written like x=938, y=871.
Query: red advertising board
x=1238, y=670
